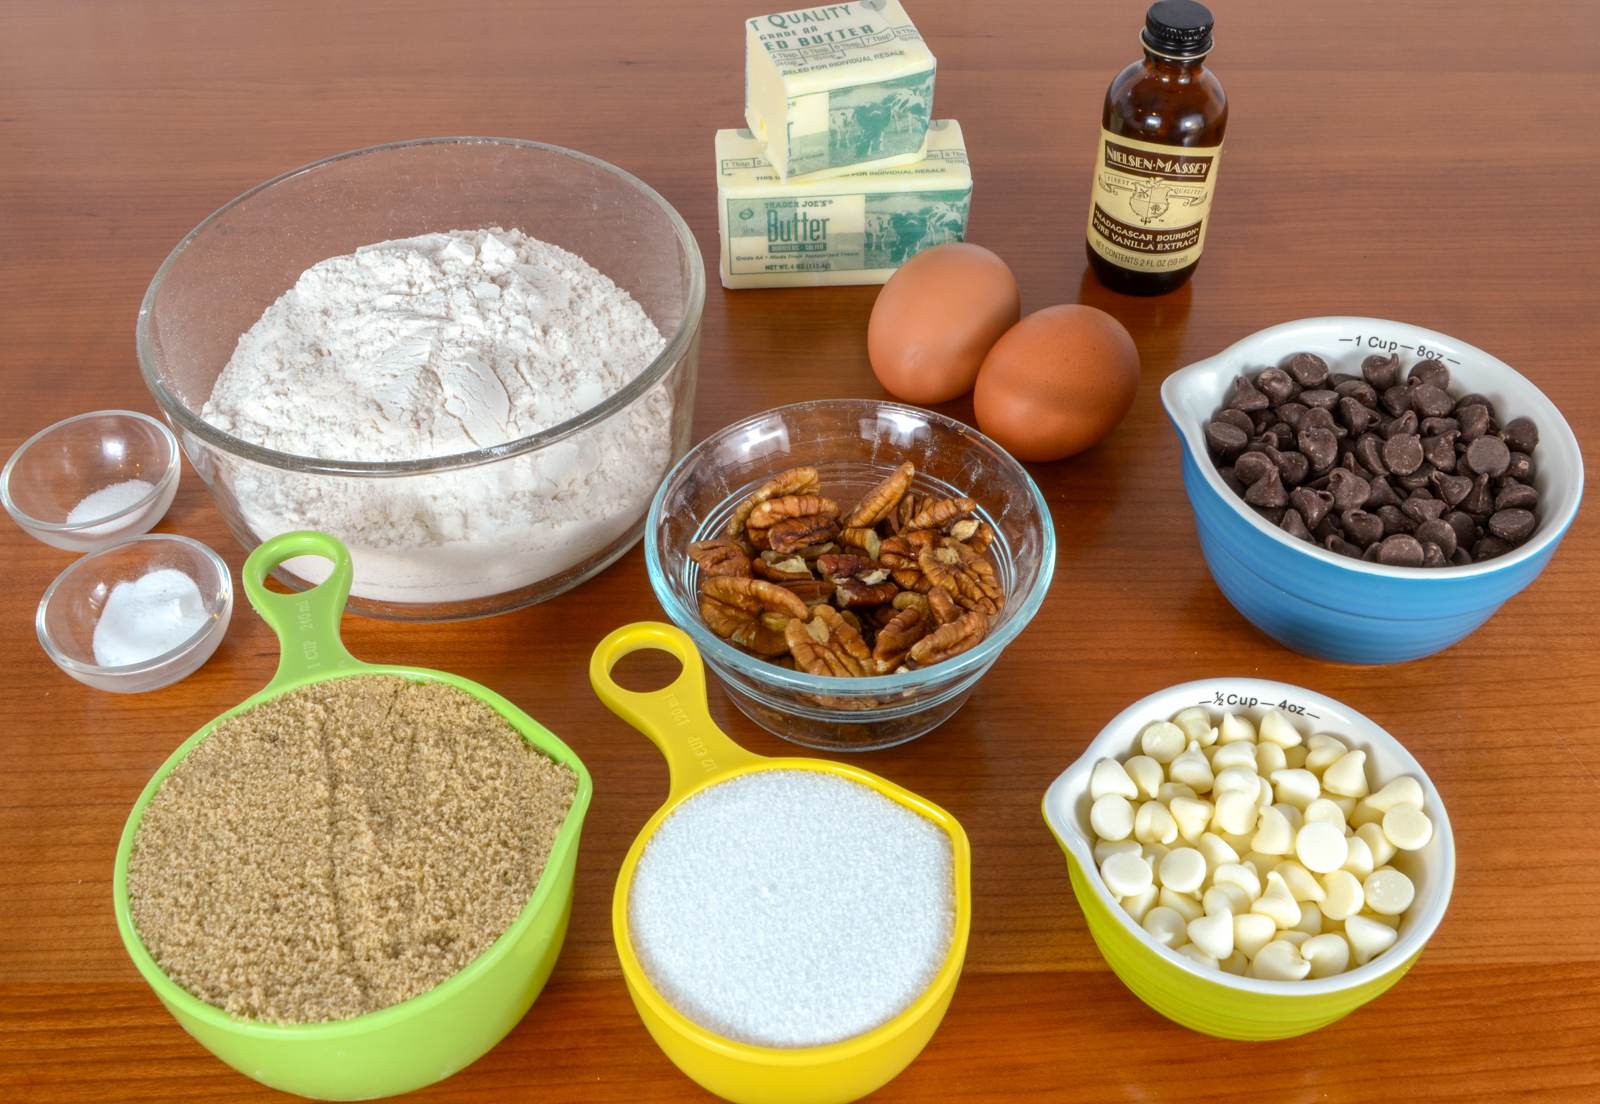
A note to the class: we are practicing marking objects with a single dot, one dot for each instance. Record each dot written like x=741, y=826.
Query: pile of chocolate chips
x=1386, y=469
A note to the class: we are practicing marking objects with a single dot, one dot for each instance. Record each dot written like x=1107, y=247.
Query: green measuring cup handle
x=307, y=623
x=674, y=717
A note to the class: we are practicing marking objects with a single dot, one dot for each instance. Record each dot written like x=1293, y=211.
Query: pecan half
x=778, y=568
x=948, y=641
x=939, y=512
x=877, y=503
x=791, y=482
x=827, y=645
x=796, y=534
x=910, y=599
x=896, y=638
x=720, y=556
x=842, y=565
x=942, y=606
x=813, y=592
x=863, y=537
x=850, y=593
x=903, y=550
x=906, y=509
x=967, y=575
x=733, y=605
x=912, y=579
x=774, y=510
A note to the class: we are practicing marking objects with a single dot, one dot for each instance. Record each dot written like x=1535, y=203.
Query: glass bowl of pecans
x=849, y=568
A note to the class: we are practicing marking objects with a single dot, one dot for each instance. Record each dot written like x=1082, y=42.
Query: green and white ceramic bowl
x=1209, y=1001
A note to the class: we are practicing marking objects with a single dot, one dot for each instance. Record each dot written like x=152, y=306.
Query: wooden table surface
x=1425, y=162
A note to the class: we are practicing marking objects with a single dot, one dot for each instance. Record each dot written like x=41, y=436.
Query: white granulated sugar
x=107, y=501
x=792, y=908
x=436, y=345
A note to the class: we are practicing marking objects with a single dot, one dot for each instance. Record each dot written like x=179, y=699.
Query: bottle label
x=1150, y=202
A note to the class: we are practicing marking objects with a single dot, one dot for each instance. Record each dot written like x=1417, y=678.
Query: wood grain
x=1376, y=165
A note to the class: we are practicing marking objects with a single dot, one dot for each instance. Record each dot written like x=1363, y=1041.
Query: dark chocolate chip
x=1521, y=467
x=1402, y=454
x=1451, y=488
x=1488, y=548
x=1361, y=527
x=1521, y=434
x=1236, y=418
x=1356, y=418
x=1433, y=555
x=1512, y=525
x=1349, y=490
x=1440, y=451
x=1308, y=369
x=1401, y=550
x=1370, y=553
x=1478, y=501
x=1396, y=400
x=1394, y=520
x=1359, y=390
x=1312, y=505
x=1316, y=418
x=1235, y=484
x=1394, y=427
x=1253, y=465
x=1272, y=515
x=1320, y=446
x=1417, y=480
x=1267, y=491
x=1333, y=542
x=1369, y=450
x=1461, y=557
x=1320, y=399
x=1289, y=413
x=1245, y=396
x=1381, y=371
x=1382, y=493
x=1282, y=436
x=1516, y=496
x=1276, y=384
x=1225, y=439
x=1439, y=533
x=1474, y=421
x=1430, y=401
x=1422, y=506
x=1466, y=529
x=1292, y=465
x=1489, y=456
x=1432, y=427
x=1432, y=373
x=1295, y=525
x=1472, y=398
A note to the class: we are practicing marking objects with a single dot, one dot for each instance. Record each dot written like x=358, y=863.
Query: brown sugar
x=343, y=847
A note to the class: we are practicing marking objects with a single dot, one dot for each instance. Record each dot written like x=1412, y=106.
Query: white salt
x=792, y=908
x=151, y=615
x=107, y=501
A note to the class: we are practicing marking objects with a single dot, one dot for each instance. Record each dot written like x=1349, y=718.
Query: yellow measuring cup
x=699, y=755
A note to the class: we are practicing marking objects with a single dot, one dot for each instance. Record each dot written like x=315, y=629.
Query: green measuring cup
x=434, y=1034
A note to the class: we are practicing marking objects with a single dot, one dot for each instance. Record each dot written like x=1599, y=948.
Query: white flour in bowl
x=436, y=345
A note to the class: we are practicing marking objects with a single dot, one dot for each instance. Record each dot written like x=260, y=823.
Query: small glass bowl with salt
x=92, y=480
x=137, y=616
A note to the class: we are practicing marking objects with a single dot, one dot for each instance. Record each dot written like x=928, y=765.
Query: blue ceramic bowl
x=1338, y=608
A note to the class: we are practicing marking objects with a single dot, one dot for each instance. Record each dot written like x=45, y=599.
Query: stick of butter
x=837, y=87
x=854, y=229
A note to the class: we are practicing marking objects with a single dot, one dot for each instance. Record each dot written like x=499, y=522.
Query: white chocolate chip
x=1111, y=817
x=1192, y=769
x=1213, y=934
x=1295, y=757
x=1364, y=813
x=1404, y=790
x=1359, y=861
x=1235, y=964
x=1264, y=796
x=1274, y=836
x=1162, y=741
x=1347, y=776
x=1196, y=725
x=1234, y=755
x=1310, y=920
x=1225, y=898
x=1277, y=729
x=1245, y=877
x=1183, y=870
x=1153, y=853
x=1251, y=932
x=1181, y=903
x=1277, y=903
x=1326, y=812
x=1165, y=926
x=1140, y=903
x=1126, y=875
x=1328, y=954
x=1236, y=780
x=1303, y=884
x=1294, y=816
x=1216, y=850
x=1168, y=792
x=1239, y=843
x=1269, y=758
x=1110, y=777
x=1192, y=817
x=1407, y=827
x=1146, y=774
x=1368, y=938
x=1237, y=812
x=1189, y=950
x=1320, y=847
x=1152, y=823
x=1377, y=843
x=1388, y=891
x=1322, y=751
x=1293, y=935
x=1345, y=895
x=1104, y=849
x=1279, y=960
x=1296, y=786
x=1236, y=729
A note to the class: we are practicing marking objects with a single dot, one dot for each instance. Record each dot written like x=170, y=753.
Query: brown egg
x=1057, y=382
x=936, y=318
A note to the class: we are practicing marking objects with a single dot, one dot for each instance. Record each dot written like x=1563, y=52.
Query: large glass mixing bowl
x=431, y=538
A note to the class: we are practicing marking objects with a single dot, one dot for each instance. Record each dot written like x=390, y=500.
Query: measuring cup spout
x=307, y=623
x=674, y=717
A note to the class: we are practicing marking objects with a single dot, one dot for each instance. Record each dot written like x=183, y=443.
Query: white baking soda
x=436, y=345
x=147, y=617
x=792, y=908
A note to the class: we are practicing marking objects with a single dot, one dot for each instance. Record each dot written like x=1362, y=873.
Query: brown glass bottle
x=1156, y=166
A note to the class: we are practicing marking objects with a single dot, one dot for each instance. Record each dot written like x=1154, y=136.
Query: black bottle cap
x=1178, y=29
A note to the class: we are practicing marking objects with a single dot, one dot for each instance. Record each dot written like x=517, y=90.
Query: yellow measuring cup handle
x=674, y=717
x=307, y=623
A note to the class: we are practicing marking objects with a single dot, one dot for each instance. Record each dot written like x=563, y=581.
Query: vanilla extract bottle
x=1160, y=146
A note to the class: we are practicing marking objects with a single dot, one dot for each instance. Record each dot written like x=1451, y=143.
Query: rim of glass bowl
x=774, y=677
x=129, y=511
x=68, y=663
x=671, y=354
